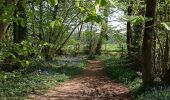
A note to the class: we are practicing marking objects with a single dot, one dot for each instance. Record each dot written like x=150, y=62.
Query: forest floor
x=92, y=84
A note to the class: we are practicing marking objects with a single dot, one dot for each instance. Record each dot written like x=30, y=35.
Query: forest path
x=92, y=84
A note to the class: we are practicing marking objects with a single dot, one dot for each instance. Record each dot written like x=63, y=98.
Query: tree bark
x=137, y=38
x=20, y=31
x=148, y=43
x=129, y=32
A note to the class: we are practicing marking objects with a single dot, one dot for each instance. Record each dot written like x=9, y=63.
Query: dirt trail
x=92, y=84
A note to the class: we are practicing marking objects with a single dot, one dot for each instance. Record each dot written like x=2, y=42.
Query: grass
x=110, y=47
x=117, y=69
x=36, y=79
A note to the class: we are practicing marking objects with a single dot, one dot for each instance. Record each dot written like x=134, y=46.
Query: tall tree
x=137, y=36
x=129, y=30
x=104, y=28
x=148, y=43
x=20, y=29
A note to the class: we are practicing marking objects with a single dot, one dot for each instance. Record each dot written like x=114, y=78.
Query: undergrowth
x=36, y=79
x=121, y=71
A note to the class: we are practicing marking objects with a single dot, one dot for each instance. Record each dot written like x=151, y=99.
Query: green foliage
x=119, y=39
x=37, y=78
x=159, y=93
x=56, y=23
x=93, y=17
x=136, y=20
x=7, y=14
x=53, y=2
x=37, y=2
x=77, y=3
x=119, y=71
x=101, y=2
x=17, y=55
x=20, y=86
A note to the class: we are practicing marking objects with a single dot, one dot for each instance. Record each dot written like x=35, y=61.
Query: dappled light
x=84, y=49
x=91, y=84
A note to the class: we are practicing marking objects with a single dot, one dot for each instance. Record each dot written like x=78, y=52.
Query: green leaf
x=25, y=53
x=27, y=62
x=55, y=23
x=45, y=44
x=52, y=24
x=96, y=18
x=136, y=20
x=82, y=9
x=23, y=64
x=22, y=22
x=37, y=2
x=101, y=2
x=77, y=3
x=53, y=2
x=24, y=3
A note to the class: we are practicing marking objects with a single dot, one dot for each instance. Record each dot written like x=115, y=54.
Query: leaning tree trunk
x=148, y=43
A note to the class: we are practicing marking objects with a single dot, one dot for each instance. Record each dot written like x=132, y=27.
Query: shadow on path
x=92, y=84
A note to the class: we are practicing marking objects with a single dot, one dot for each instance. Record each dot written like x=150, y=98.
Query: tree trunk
x=148, y=43
x=104, y=29
x=33, y=19
x=41, y=31
x=129, y=32
x=20, y=31
x=137, y=38
x=78, y=40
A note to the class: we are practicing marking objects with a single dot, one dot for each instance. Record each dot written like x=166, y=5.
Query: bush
x=16, y=56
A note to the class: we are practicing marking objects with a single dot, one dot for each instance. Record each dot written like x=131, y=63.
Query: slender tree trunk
x=129, y=32
x=137, y=38
x=33, y=20
x=104, y=29
x=41, y=32
x=166, y=50
x=65, y=41
x=166, y=53
x=78, y=39
x=148, y=43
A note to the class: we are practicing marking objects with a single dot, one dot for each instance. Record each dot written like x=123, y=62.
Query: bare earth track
x=92, y=84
